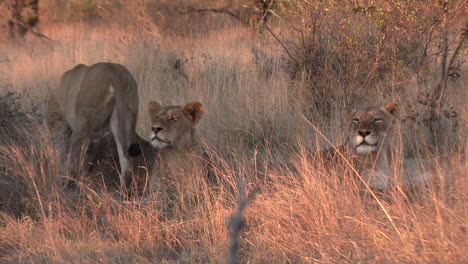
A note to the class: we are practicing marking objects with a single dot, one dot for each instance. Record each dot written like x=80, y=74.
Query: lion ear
x=391, y=108
x=193, y=111
x=153, y=108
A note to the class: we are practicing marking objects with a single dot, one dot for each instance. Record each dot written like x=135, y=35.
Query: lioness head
x=173, y=126
x=370, y=129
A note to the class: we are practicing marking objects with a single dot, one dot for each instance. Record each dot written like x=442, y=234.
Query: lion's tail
x=126, y=105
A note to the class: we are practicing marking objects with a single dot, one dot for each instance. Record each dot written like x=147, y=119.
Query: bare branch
x=437, y=96
x=455, y=53
x=225, y=10
x=236, y=223
x=215, y=10
x=35, y=33
x=281, y=43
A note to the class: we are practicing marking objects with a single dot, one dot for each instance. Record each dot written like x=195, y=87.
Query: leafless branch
x=226, y=11
x=35, y=33
x=281, y=43
x=236, y=223
x=215, y=10
x=437, y=96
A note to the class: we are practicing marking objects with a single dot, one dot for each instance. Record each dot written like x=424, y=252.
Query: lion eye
x=355, y=120
x=156, y=117
x=174, y=118
x=378, y=120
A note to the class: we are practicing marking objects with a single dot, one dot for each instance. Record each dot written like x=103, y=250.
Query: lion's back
x=66, y=94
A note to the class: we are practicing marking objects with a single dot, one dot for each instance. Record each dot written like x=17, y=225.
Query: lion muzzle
x=365, y=144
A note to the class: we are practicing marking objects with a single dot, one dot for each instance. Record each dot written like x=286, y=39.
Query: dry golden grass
x=256, y=129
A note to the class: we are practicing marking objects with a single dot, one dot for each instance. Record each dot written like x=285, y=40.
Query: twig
x=225, y=10
x=281, y=43
x=35, y=33
x=40, y=35
x=463, y=37
x=216, y=10
x=437, y=96
x=236, y=223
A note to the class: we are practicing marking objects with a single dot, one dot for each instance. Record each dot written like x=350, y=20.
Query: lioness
x=90, y=103
x=175, y=139
x=173, y=153
x=370, y=148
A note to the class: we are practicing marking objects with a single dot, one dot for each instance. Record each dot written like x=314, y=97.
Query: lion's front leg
x=79, y=158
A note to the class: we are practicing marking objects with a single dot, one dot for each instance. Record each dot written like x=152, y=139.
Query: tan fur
x=371, y=150
x=90, y=103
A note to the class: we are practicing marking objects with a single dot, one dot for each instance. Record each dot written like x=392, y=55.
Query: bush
x=13, y=118
x=357, y=53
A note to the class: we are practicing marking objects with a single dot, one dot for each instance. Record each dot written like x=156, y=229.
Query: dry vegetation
x=256, y=126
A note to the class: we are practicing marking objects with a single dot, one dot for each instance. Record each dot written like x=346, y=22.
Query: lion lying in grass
x=172, y=156
x=371, y=149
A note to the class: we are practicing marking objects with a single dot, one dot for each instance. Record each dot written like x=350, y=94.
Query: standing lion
x=90, y=103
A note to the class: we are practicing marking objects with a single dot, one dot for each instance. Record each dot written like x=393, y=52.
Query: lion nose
x=156, y=128
x=364, y=133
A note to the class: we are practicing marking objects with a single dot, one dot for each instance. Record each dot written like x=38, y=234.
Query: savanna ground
x=265, y=97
